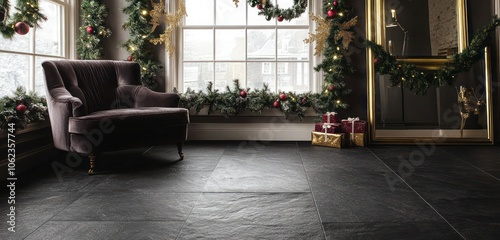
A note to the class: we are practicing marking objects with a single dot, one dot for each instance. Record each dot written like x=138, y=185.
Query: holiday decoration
x=22, y=109
x=236, y=2
x=171, y=21
x=353, y=125
x=375, y=61
x=130, y=58
x=27, y=12
x=280, y=18
x=21, y=28
x=270, y=11
x=282, y=97
x=331, y=87
x=90, y=30
x=337, y=140
x=276, y=104
x=468, y=103
x=138, y=45
x=331, y=13
x=243, y=94
x=93, y=30
x=330, y=117
x=335, y=3
x=409, y=77
x=327, y=127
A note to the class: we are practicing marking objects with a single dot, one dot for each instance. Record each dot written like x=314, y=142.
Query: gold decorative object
x=358, y=139
x=322, y=33
x=236, y=2
x=346, y=36
x=328, y=139
x=171, y=20
x=468, y=102
x=92, y=164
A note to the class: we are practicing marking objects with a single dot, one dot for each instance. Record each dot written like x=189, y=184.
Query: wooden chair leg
x=179, y=149
x=92, y=158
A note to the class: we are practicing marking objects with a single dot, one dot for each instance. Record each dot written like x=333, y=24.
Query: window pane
x=225, y=73
x=197, y=75
x=198, y=45
x=200, y=12
x=291, y=45
x=40, y=76
x=14, y=71
x=261, y=44
x=293, y=76
x=48, y=37
x=228, y=14
x=19, y=43
x=230, y=44
x=260, y=73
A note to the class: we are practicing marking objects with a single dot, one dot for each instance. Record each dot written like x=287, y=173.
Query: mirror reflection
x=421, y=28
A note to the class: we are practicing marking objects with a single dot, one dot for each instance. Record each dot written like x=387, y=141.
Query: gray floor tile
x=253, y=216
x=126, y=206
x=247, y=174
x=107, y=230
x=382, y=231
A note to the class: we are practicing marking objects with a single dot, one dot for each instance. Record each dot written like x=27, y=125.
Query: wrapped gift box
x=328, y=127
x=353, y=125
x=337, y=140
x=358, y=139
x=331, y=117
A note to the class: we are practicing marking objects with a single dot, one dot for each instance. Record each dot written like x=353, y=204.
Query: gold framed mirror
x=459, y=114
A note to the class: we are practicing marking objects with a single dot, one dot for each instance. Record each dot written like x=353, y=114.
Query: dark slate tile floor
x=274, y=190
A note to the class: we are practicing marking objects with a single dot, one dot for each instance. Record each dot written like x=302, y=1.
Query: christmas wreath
x=21, y=109
x=27, y=15
x=270, y=11
x=417, y=81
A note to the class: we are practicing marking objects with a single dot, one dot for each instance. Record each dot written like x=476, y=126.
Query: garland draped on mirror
x=418, y=81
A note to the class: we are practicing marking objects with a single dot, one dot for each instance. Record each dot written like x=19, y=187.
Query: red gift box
x=358, y=127
x=331, y=117
x=329, y=127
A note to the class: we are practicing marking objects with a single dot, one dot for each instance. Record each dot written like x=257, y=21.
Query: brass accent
x=179, y=150
x=92, y=158
x=375, y=31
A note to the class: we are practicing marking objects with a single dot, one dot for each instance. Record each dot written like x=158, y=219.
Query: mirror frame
x=375, y=31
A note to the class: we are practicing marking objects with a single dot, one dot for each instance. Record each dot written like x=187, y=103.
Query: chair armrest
x=145, y=97
x=62, y=97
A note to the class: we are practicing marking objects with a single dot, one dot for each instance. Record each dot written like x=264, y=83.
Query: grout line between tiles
x=420, y=196
x=472, y=165
x=312, y=193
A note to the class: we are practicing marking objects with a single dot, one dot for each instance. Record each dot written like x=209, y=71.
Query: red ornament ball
x=331, y=87
x=276, y=104
x=331, y=13
x=259, y=6
x=243, y=94
x=90, y=30
x=280, y=18
x=335, y=3
x=303, y=101
x=375, y=60
x=21, y=28
x=130, y=58
x=21, y=108
x=282, y=97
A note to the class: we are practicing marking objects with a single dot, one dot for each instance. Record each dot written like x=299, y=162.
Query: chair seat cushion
x=130, y=119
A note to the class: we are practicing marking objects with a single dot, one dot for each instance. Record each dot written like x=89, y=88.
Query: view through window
x=21, y=56
x=221, y=42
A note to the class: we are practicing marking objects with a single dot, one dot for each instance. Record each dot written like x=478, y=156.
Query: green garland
x=419, y=82
x=21, y=109
x=92, y=30
x=139, y=45
x=270, y=11
x=335, y=67
x=27, y=12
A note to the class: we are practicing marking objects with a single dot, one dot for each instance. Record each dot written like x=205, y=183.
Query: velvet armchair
x=100, y=105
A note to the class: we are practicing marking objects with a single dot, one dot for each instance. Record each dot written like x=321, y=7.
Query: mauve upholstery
x=100, y=105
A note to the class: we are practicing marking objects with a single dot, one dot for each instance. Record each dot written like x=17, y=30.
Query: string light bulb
x=144, y=12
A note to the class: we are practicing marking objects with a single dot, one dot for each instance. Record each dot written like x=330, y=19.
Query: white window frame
x=69, y=24
x=173, y=66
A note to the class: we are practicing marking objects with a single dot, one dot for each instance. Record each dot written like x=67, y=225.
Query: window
x=21, y=56
x=220, y=43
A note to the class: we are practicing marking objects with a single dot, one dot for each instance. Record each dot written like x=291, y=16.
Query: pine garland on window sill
x=21, y=109
x=408, y=76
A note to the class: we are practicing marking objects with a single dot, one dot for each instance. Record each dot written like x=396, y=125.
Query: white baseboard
x=251, y=131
